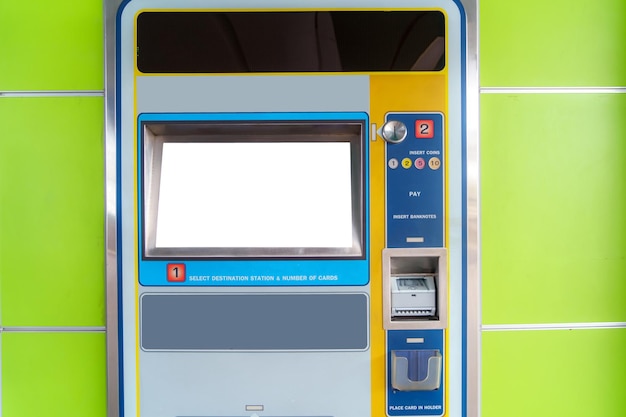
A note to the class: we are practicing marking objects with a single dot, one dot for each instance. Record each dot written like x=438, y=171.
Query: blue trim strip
x=118, y=168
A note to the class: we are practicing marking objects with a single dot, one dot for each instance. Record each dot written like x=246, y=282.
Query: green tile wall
x=552, y=43
x=51, y=45
x=52, y=212
x=52, y=209
x=53, y=374
x=553, y=184
x=553, y=177
x=573, y=373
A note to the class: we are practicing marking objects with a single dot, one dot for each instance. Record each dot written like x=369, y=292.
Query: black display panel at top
x=325, y=41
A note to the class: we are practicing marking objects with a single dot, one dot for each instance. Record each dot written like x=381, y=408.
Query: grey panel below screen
x=271, y=93
x=254, y=322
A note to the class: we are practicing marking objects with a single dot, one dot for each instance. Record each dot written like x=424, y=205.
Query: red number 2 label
x=424, y=129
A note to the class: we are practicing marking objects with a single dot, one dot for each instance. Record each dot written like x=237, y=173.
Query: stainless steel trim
x=553, y=326
x=110, y=13
x=473, y=296
x=152, y=159
x=553, y=90
x=43, y=93
x=53, y=329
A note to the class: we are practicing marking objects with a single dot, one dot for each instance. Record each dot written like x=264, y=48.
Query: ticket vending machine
x=292, y=209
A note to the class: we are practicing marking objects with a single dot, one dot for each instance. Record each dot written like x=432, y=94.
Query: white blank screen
x=255, y=195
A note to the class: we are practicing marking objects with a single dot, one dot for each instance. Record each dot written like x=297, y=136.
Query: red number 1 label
x=175, y=272
x=424, y=129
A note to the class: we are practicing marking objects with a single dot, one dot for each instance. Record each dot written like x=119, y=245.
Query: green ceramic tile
x=573, y=373
x=51, y=45
x=52, y=211
x=53, y=374
x=553, y=43
x=553, y=178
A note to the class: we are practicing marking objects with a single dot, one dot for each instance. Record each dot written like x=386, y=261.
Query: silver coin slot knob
x=394, y=131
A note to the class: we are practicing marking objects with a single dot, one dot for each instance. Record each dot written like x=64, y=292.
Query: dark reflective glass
x=328, y=41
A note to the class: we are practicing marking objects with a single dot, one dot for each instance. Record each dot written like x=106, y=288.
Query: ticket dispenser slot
x=415, y=288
